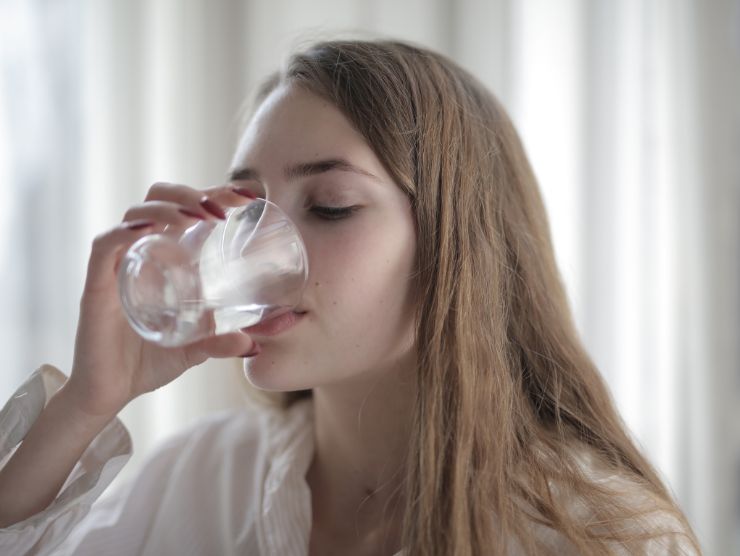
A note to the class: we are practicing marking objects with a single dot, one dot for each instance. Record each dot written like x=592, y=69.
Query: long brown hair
x=508, y=399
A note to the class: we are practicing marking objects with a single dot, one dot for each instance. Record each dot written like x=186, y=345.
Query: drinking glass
x=216, y=276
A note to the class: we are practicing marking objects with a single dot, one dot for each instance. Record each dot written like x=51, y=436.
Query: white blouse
x=234, y=483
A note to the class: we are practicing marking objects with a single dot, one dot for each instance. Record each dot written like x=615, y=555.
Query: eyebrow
x=304, y=169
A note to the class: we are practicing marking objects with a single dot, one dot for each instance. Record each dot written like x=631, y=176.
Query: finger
x=174, y=192
x=221, y=197
x=233, y=194
x=229, y=194
x=167, y=212
x=107, y=248
x=233, y=344
x=189, y=198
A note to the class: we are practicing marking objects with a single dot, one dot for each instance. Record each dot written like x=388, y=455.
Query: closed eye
x=333, y=213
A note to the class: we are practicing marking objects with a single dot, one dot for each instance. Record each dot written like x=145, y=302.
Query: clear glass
x=214, y=277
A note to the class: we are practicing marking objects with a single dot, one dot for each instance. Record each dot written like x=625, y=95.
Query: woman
x=431, y=395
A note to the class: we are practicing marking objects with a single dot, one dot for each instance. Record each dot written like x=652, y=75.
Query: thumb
x=233, y=344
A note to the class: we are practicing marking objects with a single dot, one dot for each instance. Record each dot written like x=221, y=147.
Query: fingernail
x=191, y=214
x=256, y=350
x=213, y=208
x=139, y=224
x=243, y=191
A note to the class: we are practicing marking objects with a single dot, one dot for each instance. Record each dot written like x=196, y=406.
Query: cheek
x=361, y=316
x=361, y=285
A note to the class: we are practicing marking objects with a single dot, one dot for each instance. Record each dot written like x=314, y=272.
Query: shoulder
x=653, y=525
x=208, y=462
x=236, y=438
x=615, y=507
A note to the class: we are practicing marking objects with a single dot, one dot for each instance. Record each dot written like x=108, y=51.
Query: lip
x=275, y=325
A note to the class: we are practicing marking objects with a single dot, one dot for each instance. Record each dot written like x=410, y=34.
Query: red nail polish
x=191, y=214
x=139, y=224
x=244, y=192
x=213, y=208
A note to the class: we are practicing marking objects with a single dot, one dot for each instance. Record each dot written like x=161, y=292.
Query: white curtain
x=629, y=111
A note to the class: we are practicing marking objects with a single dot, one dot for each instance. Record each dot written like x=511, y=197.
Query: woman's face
x=303, y=155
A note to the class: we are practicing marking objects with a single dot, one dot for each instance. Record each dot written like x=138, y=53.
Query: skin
x=112, y=365
x=354, y=346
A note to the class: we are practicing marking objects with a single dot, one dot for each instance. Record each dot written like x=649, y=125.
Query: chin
x=271, y=377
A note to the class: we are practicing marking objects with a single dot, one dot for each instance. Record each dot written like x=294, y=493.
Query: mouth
x=276, y=325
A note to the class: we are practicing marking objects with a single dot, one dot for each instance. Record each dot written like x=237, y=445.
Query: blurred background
x=629, y=110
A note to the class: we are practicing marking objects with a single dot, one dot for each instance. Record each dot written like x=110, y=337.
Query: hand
x=112, y=363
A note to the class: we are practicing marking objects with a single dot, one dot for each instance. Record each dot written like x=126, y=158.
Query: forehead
x=297, y=124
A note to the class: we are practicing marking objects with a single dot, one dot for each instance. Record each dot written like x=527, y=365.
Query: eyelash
x=333, y=213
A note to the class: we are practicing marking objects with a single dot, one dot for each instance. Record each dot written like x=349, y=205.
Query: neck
x=361, y=438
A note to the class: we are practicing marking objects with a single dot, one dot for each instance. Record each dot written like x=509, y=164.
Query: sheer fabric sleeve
x=42, y=533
